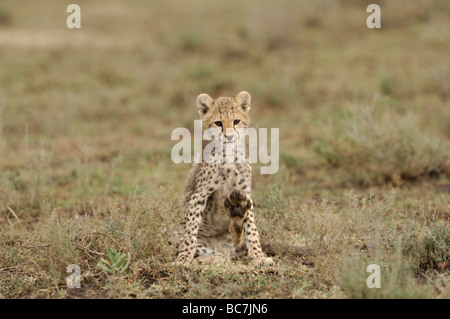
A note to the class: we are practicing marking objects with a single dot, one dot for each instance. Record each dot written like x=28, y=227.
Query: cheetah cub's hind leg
x=237, y=207
x=205, y=255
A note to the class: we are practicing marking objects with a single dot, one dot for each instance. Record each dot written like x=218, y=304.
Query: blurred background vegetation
x=86, y=116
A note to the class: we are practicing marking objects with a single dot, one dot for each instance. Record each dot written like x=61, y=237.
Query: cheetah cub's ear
x=204, y=103
x=243, y=100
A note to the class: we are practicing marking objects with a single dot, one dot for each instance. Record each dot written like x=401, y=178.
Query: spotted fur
x=219, y=207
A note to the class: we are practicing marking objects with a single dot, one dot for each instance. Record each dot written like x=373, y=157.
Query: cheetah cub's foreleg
x=240, y=209
x=237, y=207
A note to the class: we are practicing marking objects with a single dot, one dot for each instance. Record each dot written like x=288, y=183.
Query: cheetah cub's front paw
x=262, y=261
x=237, y=205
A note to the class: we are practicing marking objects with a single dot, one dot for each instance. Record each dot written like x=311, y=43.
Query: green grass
x=85, y=123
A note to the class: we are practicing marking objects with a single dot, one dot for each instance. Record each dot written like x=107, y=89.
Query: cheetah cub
x=219, y=207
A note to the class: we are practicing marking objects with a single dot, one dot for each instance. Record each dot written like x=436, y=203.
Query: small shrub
x=374, y=145
x=387, y=85
x=433, y=250
x=116, y=264
x=397, y=280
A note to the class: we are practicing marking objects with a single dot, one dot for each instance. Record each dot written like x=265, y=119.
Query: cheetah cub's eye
x=218, y=123
x=236, y=122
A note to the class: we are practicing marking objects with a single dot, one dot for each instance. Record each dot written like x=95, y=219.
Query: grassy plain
x=364, y=115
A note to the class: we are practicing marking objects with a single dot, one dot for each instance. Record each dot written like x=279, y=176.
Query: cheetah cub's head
x=225, y=115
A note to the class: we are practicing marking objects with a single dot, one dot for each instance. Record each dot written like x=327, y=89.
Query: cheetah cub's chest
x=217, y=217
